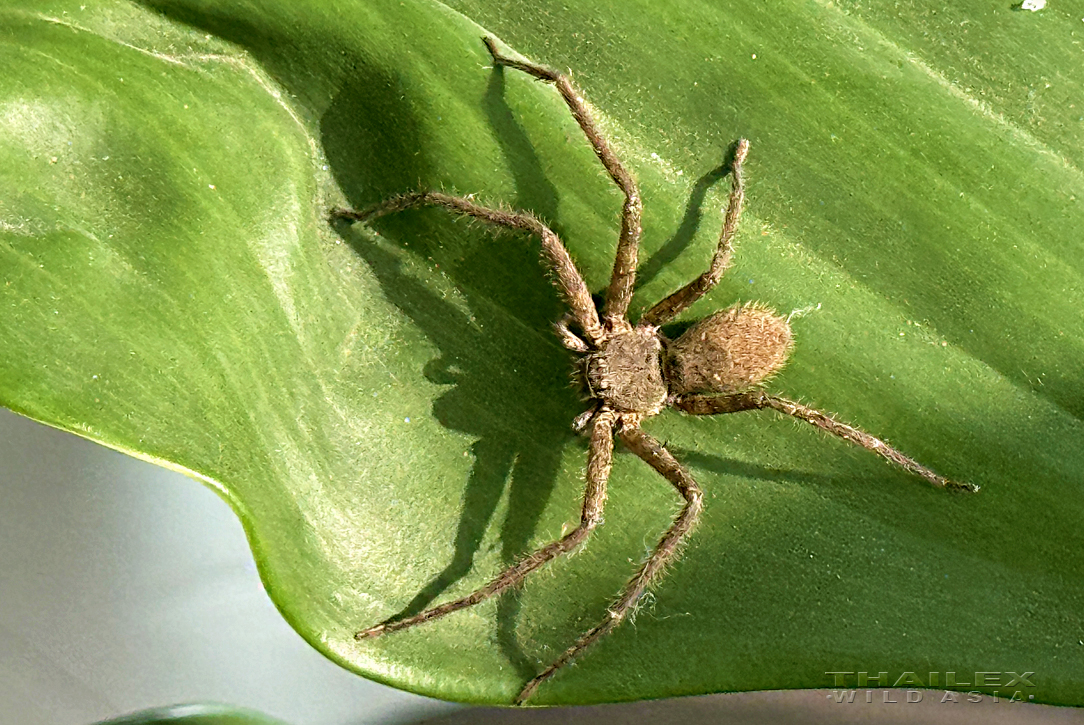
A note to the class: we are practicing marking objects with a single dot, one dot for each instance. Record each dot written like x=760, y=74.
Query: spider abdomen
x=626, y=372
x=732, y=350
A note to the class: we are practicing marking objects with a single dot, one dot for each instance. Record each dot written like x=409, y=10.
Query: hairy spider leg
x=599, y=461
x=568, y=279
x=619, y=293
x=670, y=307
x=758, y=399
x=662, y=461
x=569, y=338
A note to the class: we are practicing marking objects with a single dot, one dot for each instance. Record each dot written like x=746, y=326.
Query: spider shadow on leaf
x=509, y=375
x=690, y=223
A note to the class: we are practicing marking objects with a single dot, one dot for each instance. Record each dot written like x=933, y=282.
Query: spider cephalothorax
x=625, y=372
x=632, y=372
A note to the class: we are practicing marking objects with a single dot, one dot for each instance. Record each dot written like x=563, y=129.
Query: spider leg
x=599, y=460
x=568, y=279
x=662, y=461
x=581, y=421
x=670, y=307
x=619, y=293
x=569, y=338
x=758, y=399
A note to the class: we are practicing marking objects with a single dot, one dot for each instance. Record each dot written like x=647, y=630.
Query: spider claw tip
x=741, y=151
x=370, y=633
x=964, y=487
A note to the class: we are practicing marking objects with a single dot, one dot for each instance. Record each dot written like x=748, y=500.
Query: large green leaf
x=389, y=413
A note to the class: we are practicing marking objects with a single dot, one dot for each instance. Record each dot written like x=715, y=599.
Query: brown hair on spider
x=632, y=372
x=639, y=371
x=731, y=351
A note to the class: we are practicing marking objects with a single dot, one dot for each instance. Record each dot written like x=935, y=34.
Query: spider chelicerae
x=632, y=372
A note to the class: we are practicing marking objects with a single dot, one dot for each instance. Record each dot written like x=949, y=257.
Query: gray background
x=124, y=586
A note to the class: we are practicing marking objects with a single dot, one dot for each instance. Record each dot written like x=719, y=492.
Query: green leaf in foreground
x=388, y=414
x=195, y=715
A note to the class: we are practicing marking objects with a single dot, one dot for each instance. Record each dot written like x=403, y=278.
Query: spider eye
x=732, y=350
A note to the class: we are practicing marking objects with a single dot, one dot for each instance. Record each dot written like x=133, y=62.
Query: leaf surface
x=387, y=409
